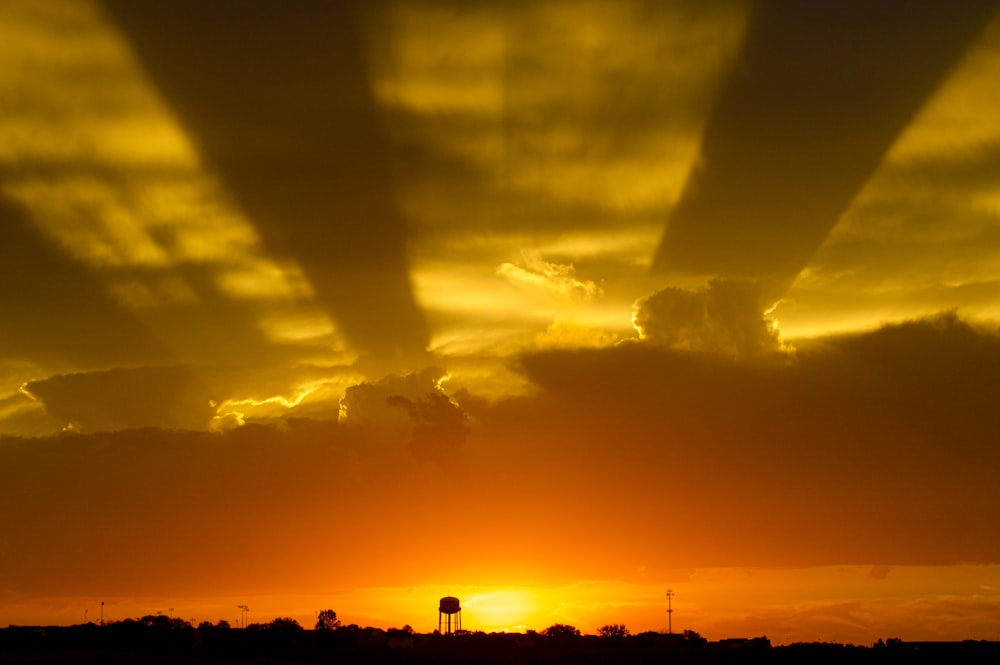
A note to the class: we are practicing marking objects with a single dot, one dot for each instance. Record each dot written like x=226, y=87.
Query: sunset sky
x=550, y=306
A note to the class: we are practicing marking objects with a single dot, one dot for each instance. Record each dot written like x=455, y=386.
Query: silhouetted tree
x=405, y=630
x=215, y=637
x=613, y=631
x=694, y=638
x=561, y=630
x=278, y=634
x=154, y=631
x=561, y=634
x=327, y=620
x=284, y=625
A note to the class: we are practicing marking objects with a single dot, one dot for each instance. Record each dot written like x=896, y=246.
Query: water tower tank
x=449, y=605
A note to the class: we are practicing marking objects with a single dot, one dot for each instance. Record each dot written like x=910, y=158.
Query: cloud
x=168, y=397
x=874, y=449
x=413, y=403
x=555, y=279
x=823, y=458
x=567, y=333
x=255, y=507
x=729, y=317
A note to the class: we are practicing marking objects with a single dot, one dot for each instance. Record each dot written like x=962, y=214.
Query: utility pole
x=670, y=612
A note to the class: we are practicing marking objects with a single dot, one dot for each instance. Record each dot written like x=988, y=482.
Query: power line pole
x=670, y=612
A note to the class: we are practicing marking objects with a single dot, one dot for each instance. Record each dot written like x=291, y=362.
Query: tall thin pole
x=102, y=612
x=670, y=612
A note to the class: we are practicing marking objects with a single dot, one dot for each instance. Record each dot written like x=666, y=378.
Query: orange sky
x=551, y=307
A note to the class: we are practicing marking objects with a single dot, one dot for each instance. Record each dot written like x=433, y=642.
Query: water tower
x=447, y=608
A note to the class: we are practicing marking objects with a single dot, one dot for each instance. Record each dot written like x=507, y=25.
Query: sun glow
x=502, y=610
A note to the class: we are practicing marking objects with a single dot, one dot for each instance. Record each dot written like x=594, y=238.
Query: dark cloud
x=414, y=403
x=437, y=421
x=875, y=449
x=182, y=396
x=277, y=99
x=155, y=512
x=167, y=397
x=872, y=449
x=728, y=317
x=817, y=96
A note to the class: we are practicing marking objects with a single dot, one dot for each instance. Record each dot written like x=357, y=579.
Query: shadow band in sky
x=276, y=97
x=818, y=94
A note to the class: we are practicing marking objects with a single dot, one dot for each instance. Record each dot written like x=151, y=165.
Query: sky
x=549, y=306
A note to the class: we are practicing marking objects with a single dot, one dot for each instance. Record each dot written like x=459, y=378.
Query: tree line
x=284, y=635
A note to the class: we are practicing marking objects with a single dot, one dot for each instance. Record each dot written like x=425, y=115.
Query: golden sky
x=550, y=306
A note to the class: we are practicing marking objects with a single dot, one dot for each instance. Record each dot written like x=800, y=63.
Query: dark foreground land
x=167, y=644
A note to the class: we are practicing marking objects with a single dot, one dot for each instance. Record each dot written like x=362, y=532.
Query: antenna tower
x=670, y=612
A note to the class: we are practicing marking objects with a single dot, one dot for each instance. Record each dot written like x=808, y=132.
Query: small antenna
x=670, y=612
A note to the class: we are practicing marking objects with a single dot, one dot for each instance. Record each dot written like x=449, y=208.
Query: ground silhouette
x=166, y=640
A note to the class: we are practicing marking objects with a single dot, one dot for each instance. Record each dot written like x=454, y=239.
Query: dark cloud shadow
x=276, y=97
x=818, y=94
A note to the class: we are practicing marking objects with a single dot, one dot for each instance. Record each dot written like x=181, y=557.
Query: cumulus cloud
x=729, y=317
x=414, y=404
